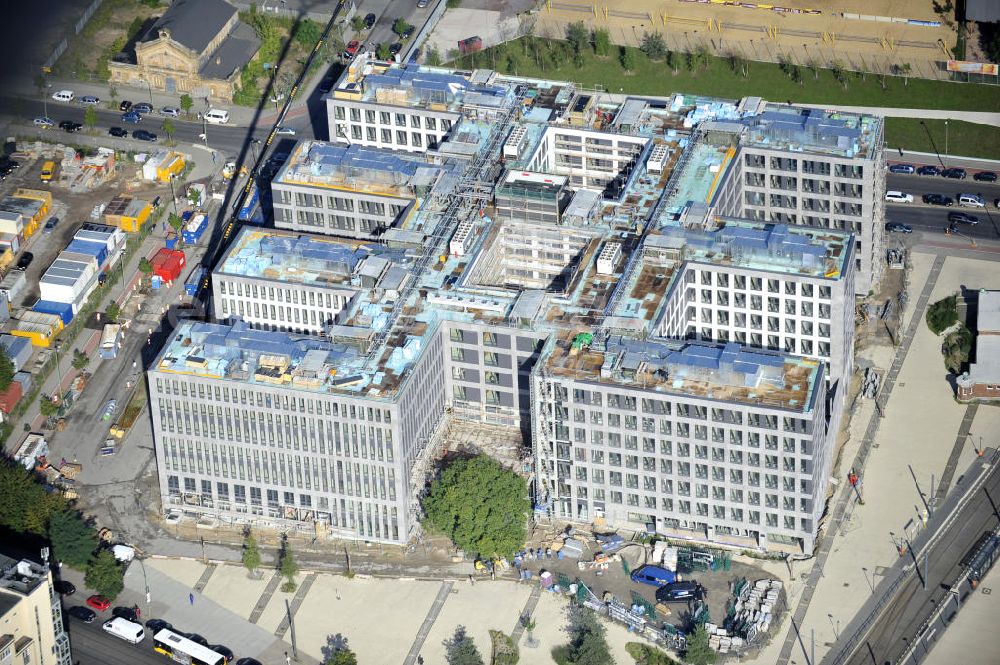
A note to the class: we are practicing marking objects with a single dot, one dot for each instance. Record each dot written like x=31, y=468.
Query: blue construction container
x=96, y=249
x=194, y=227
x=249, y=204
x=63, y=310
x=193, y=284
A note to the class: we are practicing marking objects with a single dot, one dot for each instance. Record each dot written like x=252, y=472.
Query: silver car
x=171, y=111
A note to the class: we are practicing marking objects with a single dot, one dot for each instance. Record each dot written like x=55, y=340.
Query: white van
x=64, y=96
x=971, y=201
x=217, y=116
x=125, y=630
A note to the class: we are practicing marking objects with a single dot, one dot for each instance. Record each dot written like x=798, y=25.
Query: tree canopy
x=73, y=540
x=481, y=506
x=6, y=369
x=251, y=553
x=587, y=642
x=104, y=575
x=26, y=506
x=461, y=650
x=699, y=652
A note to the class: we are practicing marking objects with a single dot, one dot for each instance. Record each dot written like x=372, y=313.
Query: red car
x=99, y=603
x=352, y=48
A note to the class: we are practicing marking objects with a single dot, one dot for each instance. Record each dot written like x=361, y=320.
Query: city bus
x=182, y=650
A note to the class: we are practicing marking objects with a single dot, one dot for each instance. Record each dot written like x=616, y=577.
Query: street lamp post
x=173, y=196
x=946, y=138
x=149, y=87
x=57, y=346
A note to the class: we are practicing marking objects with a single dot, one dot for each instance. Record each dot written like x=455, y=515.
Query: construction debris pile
x=751, y=614
x=869, y=383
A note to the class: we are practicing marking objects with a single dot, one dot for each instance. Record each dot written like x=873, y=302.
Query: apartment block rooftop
x=291, y=258
x=360, y=169
x=21, y=576
x=807, y=130
x=729, y=373
x=238, y=353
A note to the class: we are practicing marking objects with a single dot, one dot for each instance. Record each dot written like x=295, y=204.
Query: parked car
x=128, y=613
x=954, y=173
x=408, y=32
x=132, y=117
x=142, y=107
x=84, y=614
x=70, y=126
x=352, y=49
x=893, y=196
x=654, y=575
x=99, y=603
x=64, y=588
x=394, y=49
x=985, y=176
x=896, y=227
x=117, y=132
x=678, y=592
x=370, y=20
x=63, y=96
x=156, y=625
x=938, y=200
x=195, y=637
x=90, y=100
x=901, y=168
x=49, y=226
x=25, y=261
x=422, y=3
x=42, y=121
x=248, y=661
x=143, y=135
x=929, y=169
x=284, y=131
x=125, y=105
x=172, y=111
x=109, y=409
x=963, y=218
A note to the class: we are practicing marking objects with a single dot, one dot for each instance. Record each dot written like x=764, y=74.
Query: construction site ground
x=766, y=35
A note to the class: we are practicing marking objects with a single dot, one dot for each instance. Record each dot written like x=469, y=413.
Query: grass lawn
x=553, y=59
x=964, y=138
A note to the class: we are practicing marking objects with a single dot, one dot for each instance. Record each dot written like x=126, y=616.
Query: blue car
x=132, y=117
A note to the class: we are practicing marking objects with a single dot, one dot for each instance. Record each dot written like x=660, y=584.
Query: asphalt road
x=405, y=9
x=893, y=630
x=92, y=646
x=935, y=218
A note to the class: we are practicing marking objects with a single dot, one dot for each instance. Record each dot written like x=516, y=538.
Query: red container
x=470, y=45
x=10, y=397
x=168, y=264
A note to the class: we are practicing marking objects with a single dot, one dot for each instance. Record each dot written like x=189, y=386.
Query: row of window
x=271, y=401
x=742, y=282
x=372, y=117
x=276, y=314
x=280, y=295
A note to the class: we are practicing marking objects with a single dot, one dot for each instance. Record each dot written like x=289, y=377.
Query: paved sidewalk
x=978, y=117
x=971, y=639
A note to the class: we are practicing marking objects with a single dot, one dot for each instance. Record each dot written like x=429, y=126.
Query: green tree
x=134, y=27
x=168, y=127
x=461, y=650
x=26, y=506
x=940, y=316
x=956, y=349
x=383, y=52
x=6, y=369
x=186, y=103
x=481, y=506
x=289, y=567
x=587, y=642
x=578, y=37
x=175, y=221
x=699, y=652
x=602, y=42
x=104, y=575
x=46, y=406
x=342, y=657
x=113, y=311
x=454, y=4
x=73, y=540
x=400, y=26
x=145, y=267
x=358, y=23
x=646, y=654
x=81, y=359
x=627, y=59
x=433, y=57
x=251, y=554
x=653, y=46
x=90, y=117
x=308, y=33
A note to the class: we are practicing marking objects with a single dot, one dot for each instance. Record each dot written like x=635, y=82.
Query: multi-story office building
x=695, y=440
x=349, y=191
x=31, y=621
x=581, y=269
x=814, y=168
x=276, y=280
